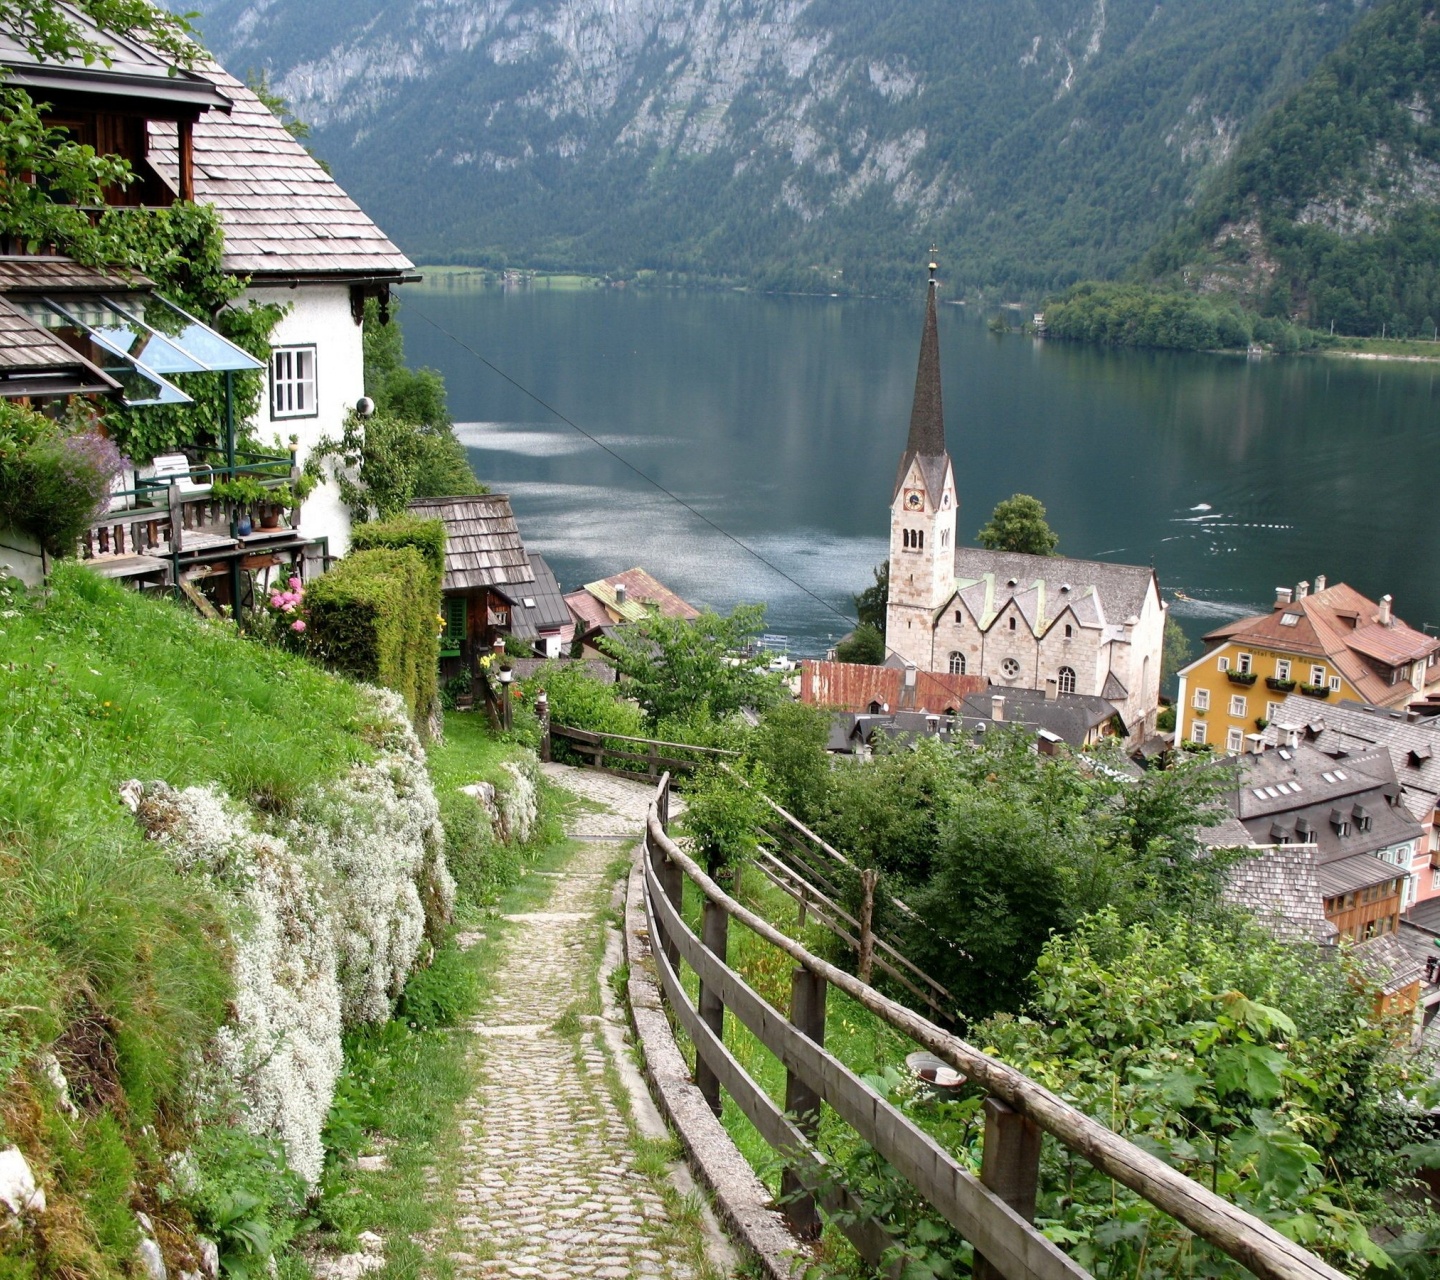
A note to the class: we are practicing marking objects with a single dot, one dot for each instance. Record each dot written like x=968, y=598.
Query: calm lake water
x=781, y=421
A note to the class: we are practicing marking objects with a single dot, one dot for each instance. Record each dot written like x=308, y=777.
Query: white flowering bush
x=328, y=916
x=281, y=1044
x=519, y=802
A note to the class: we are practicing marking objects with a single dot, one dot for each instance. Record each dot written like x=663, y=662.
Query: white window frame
x=290, y=388
x=1244, y=662
x=1317, y=677
x=1201, y=701
x=1272, y=709
x=1282, y=668
x=1197, y=732
x=957, y=663
x=1334, y=684
x=1223, y=663
x=1235, y=741
x=1061, y=680
x=1239, y=705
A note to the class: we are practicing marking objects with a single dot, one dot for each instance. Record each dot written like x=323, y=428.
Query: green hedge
x=426, y=536
x=373, y=617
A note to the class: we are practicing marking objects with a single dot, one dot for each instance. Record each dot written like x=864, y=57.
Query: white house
x=302, y=242
x=1067, y=627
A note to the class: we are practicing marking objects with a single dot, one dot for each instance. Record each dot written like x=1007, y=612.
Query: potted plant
x=1315, y=690
x=1246, y=678
x=242, y=493
x=1279, y=685
x=288, y=495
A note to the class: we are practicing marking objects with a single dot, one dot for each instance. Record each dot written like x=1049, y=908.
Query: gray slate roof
x=1071, y=716
x=926, y=440
x=1389, y=963
x=283, y=214
x=538, y=606
x=482, y=542
x=1121, y=588
x=1354, y=728
x=1360, y=871
x=1281, y=889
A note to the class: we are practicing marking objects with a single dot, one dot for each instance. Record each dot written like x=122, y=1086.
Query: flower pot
x=1280, y=686
x=1315, y=690
x=1247, y=678
x=270, y=518
x=243, y=526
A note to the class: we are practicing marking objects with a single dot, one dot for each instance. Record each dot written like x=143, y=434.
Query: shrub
x=580, y=701
x=722, y=816
x=426, y=536
x=865, y=646
x=373, y=617
x=440, y=995
x=54, y=476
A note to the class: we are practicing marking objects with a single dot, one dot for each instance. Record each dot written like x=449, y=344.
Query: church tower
x=922, y=513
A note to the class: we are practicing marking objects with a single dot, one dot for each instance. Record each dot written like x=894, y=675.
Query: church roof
x=926, y=441
x=1045, y=586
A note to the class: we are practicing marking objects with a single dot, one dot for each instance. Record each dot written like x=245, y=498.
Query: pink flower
x=294, y=584
x=298, y=625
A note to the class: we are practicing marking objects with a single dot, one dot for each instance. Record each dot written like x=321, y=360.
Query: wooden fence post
x=1009, y=1166
x=654, y=761
x=714, y=935
x=542, y=713
x=868, y=877
x=663, y=807
x=807, y=1015
x=672, y=881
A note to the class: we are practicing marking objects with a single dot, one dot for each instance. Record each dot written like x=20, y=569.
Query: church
x=1047, y=623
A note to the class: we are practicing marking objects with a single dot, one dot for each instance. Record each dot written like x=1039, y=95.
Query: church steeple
x=927, y=414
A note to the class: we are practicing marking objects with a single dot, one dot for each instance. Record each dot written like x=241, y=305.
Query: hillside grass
x=108, y=956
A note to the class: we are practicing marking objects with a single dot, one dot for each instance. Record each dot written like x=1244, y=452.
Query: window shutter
x=456, y=616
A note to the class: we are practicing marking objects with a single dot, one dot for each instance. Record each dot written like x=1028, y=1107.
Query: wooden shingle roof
x=283, y=214
x=27, y=350
x=482, y=542
x=26, y=273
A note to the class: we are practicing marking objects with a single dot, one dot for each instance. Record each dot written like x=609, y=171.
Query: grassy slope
x=107, y=955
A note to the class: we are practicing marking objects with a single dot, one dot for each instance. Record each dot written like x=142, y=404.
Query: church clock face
x=914, y=500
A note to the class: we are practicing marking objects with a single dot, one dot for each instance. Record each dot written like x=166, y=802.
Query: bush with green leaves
x=683, y=667
x=789, y=745
x=581, y=701
x=865, y=646
x=55, y=476
x=373, y=617
x=1254, y=1066
x=425, y=536
x=723, y=812
x=245, y=1198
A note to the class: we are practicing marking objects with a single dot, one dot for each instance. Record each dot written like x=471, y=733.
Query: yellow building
x=1331, y=644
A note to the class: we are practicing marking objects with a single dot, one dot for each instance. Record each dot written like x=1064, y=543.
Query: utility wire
x=649, y=479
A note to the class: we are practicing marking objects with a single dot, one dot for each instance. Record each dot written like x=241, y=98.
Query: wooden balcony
x=172, y=527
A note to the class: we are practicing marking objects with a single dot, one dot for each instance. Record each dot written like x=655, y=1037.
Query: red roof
x=849, y=686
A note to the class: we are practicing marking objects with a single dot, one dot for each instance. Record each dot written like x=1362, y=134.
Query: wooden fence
x=596, y=750
x=995, y=1211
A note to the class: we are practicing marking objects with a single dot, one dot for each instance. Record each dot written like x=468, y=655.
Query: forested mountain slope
x=805, y=143
x=1328, y=212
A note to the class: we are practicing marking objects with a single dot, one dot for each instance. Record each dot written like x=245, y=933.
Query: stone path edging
x=742, y=1200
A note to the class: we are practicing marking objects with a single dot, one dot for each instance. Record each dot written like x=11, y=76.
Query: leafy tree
x=1174, y=652
x=678, y=667
x=865, y=645
x=870, y=603
x=722, y=819
x=790, y=746
x=49, y=33
x=1018, y=524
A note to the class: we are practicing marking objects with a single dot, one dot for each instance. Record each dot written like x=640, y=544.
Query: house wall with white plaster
x=318, y=315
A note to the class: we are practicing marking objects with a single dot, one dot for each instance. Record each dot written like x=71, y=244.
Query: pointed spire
x=927, y=415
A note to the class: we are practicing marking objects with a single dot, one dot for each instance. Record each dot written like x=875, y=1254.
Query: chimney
x=1302, y=591
x=1386, y=618
x=1256, y=743
x=620, y=593
x=997, y=707
x=1283, y=596
x=1052, y=689
x=1319, y=582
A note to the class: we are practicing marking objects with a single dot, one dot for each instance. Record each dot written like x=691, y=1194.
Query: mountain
x=1328, y=211
x=800, y=143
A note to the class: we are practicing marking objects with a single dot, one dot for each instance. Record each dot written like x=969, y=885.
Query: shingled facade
x=1047, y=623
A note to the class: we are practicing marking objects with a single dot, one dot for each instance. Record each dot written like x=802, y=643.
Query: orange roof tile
x=1342, y=626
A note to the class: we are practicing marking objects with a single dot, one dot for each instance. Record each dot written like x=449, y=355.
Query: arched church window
x=1069, y=631
x=1067, y=680
x=1012, y=623
x=957, y=663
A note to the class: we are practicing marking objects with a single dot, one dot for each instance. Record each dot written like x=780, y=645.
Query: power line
x=649, y=479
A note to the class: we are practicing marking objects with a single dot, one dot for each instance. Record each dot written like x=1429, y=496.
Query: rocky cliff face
x=738, y=136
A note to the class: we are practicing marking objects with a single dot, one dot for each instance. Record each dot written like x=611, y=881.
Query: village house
x=197, y=134
x=493, y=587
x=1090, y=628
x=601, y=606
x=1330, y=644
x=1350, y=729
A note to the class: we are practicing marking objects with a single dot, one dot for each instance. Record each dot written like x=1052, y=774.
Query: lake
x=780, y=422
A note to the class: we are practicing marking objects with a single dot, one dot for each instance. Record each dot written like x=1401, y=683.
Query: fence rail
x=597, y=750
x=994, y=1211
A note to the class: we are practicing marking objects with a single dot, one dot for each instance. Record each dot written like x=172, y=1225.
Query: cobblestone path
x=549, y=1186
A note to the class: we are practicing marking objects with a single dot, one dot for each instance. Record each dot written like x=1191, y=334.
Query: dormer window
x=1289, y=619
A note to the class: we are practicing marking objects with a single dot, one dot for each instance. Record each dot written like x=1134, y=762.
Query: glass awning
x=141, y=340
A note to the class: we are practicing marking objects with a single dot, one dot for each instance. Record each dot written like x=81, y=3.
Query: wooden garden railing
x=596, y=748
x=995, y=1211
